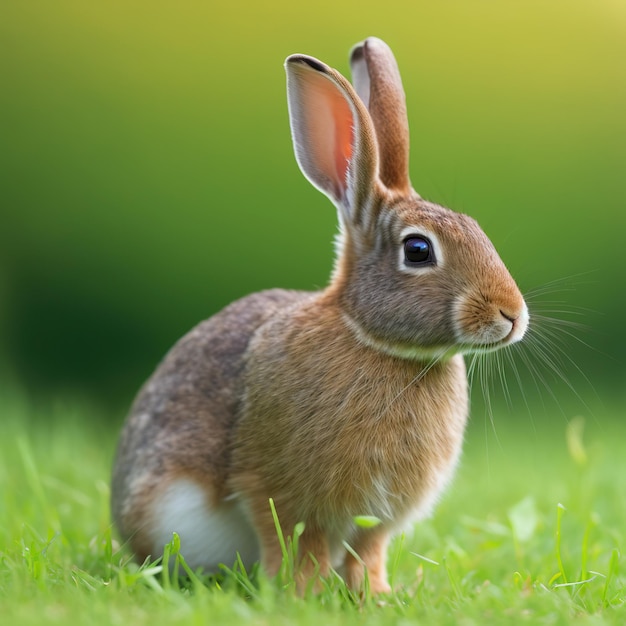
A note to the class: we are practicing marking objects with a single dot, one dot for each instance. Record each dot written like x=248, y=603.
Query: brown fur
x=349, y=401
x=319, y=440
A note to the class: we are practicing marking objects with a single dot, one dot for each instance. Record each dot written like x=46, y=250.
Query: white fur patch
x=521, y=325
x=402, y=351
x=208, y=535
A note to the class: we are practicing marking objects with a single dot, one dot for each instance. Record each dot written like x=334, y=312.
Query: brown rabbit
x=344, y=402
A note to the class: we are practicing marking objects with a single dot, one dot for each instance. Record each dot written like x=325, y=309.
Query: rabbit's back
x=182, y=420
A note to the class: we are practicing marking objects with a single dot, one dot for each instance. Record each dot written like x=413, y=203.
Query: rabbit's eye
x=417, y=250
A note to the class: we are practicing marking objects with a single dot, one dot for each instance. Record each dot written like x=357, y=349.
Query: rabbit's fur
x=345, y=402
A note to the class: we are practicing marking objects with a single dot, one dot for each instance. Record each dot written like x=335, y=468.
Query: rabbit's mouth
x=517, y=327
x=484, y=327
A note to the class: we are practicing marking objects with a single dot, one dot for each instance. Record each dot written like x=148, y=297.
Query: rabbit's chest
x=350, y=433
x=392, y=470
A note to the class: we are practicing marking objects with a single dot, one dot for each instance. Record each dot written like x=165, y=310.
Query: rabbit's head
x=413, y=278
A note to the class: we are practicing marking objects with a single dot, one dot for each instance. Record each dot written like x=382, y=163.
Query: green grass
x=531, y=532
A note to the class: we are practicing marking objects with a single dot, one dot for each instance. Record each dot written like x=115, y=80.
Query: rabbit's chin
x=400, y=350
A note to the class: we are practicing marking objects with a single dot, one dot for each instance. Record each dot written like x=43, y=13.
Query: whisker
x=511, y=360
x=412, y=382
x=559, y=285
x=548, y=320
x=503, y=381
x=557, y=334
x=485, y=380
x=553, y=366
x=539, y=311
x=537, y=377
x=554, y=341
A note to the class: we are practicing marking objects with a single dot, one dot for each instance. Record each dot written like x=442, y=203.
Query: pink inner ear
x=344, y=140
x=323, y=125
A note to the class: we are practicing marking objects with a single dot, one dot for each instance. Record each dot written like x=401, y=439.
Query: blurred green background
x=147, y=176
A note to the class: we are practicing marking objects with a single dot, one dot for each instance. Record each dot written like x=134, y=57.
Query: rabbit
x=348, y=401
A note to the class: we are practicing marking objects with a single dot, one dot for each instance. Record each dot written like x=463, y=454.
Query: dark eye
x=417, y=250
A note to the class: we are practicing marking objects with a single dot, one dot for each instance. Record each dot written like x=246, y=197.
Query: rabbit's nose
x=509, y=316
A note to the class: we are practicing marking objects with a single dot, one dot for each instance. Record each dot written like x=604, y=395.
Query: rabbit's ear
x=333, y=135
x=377, y=80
